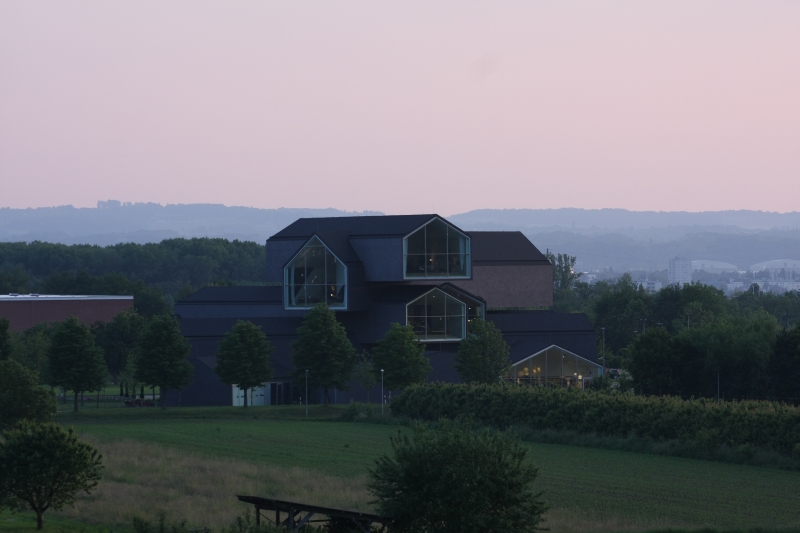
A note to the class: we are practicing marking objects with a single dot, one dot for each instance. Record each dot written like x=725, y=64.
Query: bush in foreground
x=711, y=424
x=453, y=478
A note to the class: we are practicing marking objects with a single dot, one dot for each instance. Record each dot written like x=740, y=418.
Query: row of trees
x=323, y=355
x=140, y=351
x=78, y=358
x=42, y=465
x=684, y=340
x=197, y=261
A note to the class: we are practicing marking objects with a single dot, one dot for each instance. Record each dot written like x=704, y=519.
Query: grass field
x=191, y=463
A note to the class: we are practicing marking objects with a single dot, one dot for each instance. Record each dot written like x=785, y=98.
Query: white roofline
x=560, y=348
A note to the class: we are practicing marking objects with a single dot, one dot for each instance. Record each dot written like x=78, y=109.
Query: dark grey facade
x=417, y=269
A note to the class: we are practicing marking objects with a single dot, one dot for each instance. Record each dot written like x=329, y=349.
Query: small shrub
x=356, y=412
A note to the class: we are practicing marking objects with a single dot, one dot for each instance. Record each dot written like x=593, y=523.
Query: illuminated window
x=436, y=316
x=315, y=276
x=436, y=250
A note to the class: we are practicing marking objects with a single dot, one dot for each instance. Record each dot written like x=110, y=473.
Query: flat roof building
x=27, y=310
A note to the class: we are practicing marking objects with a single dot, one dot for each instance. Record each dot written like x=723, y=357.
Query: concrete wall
x=511, y=285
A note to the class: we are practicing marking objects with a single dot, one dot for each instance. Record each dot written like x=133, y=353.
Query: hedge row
x=762, y=424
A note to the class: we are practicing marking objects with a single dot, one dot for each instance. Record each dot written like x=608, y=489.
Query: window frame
x=468, y=274
x=286, y=305
x=463, y=317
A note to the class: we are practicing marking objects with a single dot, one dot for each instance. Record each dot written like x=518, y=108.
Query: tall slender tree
x=76, y=363
x=243, y=357
x=119, y=338
x=402, y=357
x=484, y=355
x=5, y=339
x=163, y=356
x=322, y=348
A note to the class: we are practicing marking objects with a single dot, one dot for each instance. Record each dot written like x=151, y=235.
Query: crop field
x=190, y=463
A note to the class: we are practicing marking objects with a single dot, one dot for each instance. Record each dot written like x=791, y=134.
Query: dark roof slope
x=504, y=247
x=252, y=294
x=510, y=322
x=393, y=225
x=218, y=327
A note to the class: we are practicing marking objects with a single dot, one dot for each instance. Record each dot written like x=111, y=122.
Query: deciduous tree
x=5, y=339
x=163, y=356
x=456, y=479
x=119, y=339
x=402, y=357
x=484, y=355
x=44, y=466
x=21, y=397
x=243, y=357
x=76, y=363
x=322, y=348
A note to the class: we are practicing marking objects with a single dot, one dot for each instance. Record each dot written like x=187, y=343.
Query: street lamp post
x=383, y=398
x=306, y=393
x=604, y=349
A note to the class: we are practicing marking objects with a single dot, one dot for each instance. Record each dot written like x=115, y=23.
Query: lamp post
x=604, y=349
x=383, y=399
x=306, y=393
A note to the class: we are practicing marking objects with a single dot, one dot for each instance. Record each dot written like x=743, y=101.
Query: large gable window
x=315, y=276
x=436, y=316
x=436, y=250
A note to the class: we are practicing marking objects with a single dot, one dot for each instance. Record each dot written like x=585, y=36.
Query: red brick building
x=26, y=310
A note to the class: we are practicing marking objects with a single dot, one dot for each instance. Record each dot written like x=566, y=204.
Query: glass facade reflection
x=554, y=367
x=436, y=316
x=436, y=250
x=315, y=276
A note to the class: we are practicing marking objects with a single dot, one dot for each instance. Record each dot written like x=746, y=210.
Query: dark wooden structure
x=294, y=515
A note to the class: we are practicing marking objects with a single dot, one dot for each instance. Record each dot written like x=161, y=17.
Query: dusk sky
x=402, y=107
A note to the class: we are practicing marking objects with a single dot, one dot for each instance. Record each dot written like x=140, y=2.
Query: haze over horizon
x=402, y=107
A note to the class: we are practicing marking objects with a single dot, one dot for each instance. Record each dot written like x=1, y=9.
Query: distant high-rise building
x=680, y=271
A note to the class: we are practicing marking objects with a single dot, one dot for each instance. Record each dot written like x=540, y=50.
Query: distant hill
x=600, y=238
x=113, y=222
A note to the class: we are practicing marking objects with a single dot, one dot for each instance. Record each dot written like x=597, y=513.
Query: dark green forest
x=172, y=268
x=691, y=340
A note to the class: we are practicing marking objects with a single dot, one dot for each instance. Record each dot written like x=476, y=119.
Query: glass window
x=436, y=250
x=315, y=276
x=436, y=316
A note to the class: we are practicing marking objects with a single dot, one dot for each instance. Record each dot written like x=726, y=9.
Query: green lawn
x=591, y=483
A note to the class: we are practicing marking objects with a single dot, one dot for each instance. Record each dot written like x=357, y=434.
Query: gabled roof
x=336, y=232
x=504, y=247
x=391, y=225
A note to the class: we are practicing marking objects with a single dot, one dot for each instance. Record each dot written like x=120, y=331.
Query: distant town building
x=776, y=265
x=26, y=310
x=650, y=285
x=712, y=267
x=680, y=271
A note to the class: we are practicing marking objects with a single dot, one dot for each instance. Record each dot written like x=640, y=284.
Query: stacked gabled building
x=373, y=271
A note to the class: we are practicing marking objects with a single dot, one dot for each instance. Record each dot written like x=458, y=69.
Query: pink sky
x=402, y=106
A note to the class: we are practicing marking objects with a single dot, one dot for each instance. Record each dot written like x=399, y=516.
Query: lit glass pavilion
x=554, y=366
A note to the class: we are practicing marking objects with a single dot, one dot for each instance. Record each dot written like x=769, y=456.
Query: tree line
x=170, y=266
x=136, y=350
x=691, y=340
